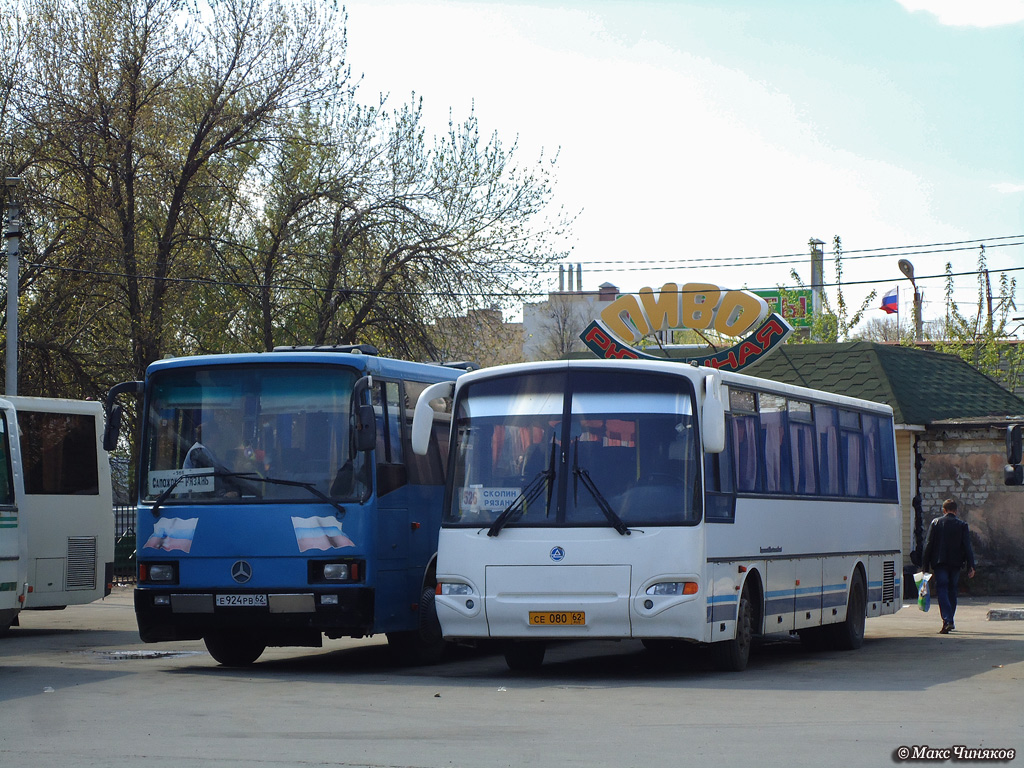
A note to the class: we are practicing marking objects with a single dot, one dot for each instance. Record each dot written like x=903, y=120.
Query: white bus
x=56, y=511
x=661, y=501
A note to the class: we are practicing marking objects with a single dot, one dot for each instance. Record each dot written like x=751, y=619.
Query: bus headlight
x=160, y=573
x=673, y=588
x=455, y=589
x=336, y=571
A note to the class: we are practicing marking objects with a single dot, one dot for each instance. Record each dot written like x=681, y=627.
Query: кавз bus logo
x=557, y=554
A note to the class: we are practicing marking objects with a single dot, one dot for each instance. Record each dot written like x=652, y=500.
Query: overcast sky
x=714, y=138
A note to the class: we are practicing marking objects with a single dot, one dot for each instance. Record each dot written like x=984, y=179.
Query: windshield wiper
x=579, y=473
x=529, y=494
x=248, y=476
x=280, y=481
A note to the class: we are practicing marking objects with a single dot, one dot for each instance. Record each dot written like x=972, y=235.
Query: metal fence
x=124, y=544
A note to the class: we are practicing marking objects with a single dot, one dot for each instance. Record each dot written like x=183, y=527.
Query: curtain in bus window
x=872, y=457
x=801, y=441
x=778, y=474
x=828, y=449
x=744, y=433
x=887, y=448
x=851, y=451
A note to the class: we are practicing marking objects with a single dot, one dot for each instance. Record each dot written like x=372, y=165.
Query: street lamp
x=13, y=248
x=908, y=269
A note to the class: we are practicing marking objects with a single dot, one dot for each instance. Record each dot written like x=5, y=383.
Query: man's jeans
x=946, y=582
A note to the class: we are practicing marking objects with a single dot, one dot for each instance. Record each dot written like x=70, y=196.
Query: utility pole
x=13, y=251
x=817, y=275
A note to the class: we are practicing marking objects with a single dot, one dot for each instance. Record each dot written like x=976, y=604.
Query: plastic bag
x=924, y=598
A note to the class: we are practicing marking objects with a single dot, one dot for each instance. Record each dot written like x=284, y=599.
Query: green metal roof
x=922, y=387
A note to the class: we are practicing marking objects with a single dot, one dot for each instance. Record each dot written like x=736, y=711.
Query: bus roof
x=692, y=372
x=356, y=360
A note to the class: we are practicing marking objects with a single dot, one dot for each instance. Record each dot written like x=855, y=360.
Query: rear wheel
x=848, y=635
x=524, y=655
x=232, y=649
x=733, y=655
x=425, y=644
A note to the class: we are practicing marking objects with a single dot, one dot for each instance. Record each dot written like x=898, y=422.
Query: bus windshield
x=252, y=434
x=557, y=449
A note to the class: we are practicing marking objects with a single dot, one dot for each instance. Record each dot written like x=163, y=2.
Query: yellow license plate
x=557, y=618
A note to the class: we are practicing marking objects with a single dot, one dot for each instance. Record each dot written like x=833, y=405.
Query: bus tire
x=525, y=655
x=425, y=644
x=848, y=635
x=233, y=649
x=733, y=655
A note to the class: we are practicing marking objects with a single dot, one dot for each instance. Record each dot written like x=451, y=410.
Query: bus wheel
x=524, y=655
x=732, y=655
x=424, y=645
x=849, y=634
x=232, y=649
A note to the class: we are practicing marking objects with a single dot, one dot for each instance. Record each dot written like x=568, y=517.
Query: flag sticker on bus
x=476, y=499
x=319, y=533
x=172, y=533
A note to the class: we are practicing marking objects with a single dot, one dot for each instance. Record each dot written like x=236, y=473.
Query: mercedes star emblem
x=241, y=571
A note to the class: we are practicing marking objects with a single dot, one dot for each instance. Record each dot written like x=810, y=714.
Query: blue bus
x=279, y=501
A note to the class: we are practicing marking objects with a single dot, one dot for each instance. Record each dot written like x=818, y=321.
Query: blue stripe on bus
x=723, y=608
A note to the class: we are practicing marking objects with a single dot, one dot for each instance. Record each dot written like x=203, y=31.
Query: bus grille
x=888, y=581
x=81, y=562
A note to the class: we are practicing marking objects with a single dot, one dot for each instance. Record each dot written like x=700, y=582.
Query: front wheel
x=733, y=655
x=425, y=644
x=232, y=649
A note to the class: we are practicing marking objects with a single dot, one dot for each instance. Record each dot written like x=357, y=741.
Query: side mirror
x=112, y=430
x=366, y=428
x=713, y=415
x=423, y=417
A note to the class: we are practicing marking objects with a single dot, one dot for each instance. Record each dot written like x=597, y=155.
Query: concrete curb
x=1006, y=614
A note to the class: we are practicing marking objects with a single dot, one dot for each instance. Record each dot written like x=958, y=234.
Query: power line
x=713, y=262
x=370, y=292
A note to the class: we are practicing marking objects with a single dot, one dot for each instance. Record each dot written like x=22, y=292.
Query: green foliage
x=982, y=340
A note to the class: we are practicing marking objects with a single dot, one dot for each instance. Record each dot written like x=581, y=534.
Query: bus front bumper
x=280, y=618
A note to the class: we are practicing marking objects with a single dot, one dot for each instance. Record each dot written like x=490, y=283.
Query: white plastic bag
x=924, y=598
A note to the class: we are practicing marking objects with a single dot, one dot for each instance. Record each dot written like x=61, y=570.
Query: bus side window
x=719, y=496
x=778, y=474
x=851, y=451
x=6, y=486
x=387, y=405
x=828, y=449
x=801, y=442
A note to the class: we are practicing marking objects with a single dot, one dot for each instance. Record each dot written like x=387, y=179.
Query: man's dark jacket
x=948, y=544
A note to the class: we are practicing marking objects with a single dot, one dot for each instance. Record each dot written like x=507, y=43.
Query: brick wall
x=965, y=462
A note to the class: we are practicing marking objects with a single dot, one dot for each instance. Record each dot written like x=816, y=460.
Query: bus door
x=394, y=527
x=12, y=551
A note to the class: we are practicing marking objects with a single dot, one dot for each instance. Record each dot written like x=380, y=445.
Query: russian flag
x=891, y=301
x=319, y=533
x=172, y=533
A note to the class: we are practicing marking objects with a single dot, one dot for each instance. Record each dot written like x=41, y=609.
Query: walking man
x=946, y=550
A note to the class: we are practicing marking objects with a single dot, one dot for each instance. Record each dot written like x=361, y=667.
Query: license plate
x=247, y=601
x=557, y=618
